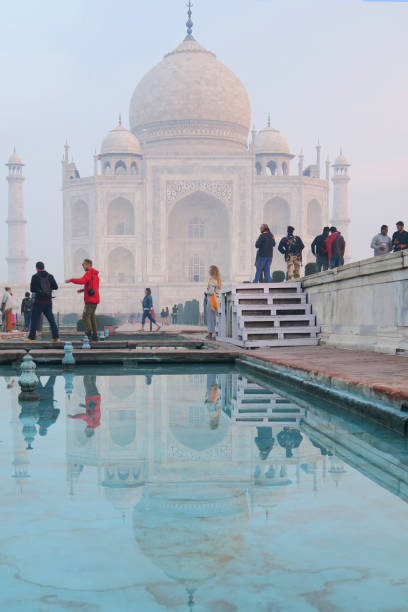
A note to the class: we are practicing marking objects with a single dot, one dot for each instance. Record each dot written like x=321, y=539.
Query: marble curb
x=359, y=398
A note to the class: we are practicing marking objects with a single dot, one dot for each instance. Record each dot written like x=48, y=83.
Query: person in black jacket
x=318, y=250
x=400, y=238
x=264, y=244
x=42, y=286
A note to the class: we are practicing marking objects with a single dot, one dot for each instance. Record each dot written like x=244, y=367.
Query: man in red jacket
x=335, y=246
x=90, y=280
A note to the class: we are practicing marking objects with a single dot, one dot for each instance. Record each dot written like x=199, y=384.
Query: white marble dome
x=191, y=95
x=271, y=142
x=120, y=141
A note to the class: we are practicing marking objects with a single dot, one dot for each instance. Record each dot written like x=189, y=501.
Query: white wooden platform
x=255, y=405
x=266, y=314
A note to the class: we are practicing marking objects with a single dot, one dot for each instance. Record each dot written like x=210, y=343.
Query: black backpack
x=45, y=287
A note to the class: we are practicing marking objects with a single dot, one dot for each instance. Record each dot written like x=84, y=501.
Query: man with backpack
x=42, y=286
x=90, y=280
x=335, y=246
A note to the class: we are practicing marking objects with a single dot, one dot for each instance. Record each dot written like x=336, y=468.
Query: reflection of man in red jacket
x=92, y=414
x=90, y=280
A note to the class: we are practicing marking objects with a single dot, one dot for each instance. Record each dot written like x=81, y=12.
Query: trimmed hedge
x=102, y=321
x=310, y=268
x=278, y=276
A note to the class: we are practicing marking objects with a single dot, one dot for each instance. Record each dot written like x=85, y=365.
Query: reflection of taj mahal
x=182, y=189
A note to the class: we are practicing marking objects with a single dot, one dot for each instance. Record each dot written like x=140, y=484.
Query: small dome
x=120, y=141
x=271, y=142
x=15, y=159
x=341, y=160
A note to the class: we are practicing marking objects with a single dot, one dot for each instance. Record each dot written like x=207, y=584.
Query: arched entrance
x=198, y=236
x=121, y=266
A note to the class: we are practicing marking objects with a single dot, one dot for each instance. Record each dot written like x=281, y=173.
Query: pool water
x=196, y=491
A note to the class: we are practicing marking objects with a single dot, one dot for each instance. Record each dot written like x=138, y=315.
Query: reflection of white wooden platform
x=267, y=314
x=255, y=405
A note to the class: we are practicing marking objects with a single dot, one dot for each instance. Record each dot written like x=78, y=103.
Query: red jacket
x=328, y=244
x=92, y=416
x=91, y=281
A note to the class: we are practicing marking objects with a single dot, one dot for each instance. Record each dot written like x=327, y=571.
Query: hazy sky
x=329, y=69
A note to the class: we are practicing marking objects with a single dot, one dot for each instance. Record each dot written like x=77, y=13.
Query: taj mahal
x=186, y=186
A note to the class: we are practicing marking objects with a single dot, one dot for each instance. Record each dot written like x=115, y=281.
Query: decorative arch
x=79, y=219
x=133, y=168
x=120, y=167
x=107, y=169
x=122, y=427
x=121, y=266
x=271, y=168
x=314, y=218
x=206, y=217
x=258, y=168
x=122, y=387
x=121, y=218
x=285, y=169
x=277, y=215
x=77, y=259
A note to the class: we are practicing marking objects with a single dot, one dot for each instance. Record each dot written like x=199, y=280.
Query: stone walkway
x=384, y=374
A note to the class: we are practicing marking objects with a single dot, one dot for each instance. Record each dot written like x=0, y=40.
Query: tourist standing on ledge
x=400, y=238
x=291, y=247
x=90, y=280
x=26, y=308
x=148, y=310
x=42, y=285
x=174, y=312
x=381, y=243
x=322, y=259
x=7, y=305
x=335, y=247
x=264, y=244
x=213, y=287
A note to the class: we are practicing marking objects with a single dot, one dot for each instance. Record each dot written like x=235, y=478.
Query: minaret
x=340, y=217
x=318, y=152
x=16, y=257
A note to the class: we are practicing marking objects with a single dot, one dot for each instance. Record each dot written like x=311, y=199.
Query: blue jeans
x=263, y=263
x=27, y=320
x=336, y=261
x=37, y=311
x=147, y=315
x=322, y=262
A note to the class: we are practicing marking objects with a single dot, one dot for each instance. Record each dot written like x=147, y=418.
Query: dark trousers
x=263, y=264
x=27, y=320
x=89, y=319
x=322, y=262
x=336, y=261
x=37, y=311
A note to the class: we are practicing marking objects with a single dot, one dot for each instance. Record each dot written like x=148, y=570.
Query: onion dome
x=120, y=141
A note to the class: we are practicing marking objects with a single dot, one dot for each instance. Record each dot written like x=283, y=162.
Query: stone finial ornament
x=28, y=380
x=85, y=343
x=189, y=22
x=68, y=358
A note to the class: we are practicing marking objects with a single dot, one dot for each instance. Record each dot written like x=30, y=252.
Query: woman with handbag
x=214, y=285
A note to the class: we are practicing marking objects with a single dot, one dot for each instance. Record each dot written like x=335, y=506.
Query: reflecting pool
x=195, y=489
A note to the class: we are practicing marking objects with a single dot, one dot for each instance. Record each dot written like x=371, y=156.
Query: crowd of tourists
x=328, y=249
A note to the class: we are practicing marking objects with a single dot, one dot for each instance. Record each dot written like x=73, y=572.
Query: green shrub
x=278, y=276
x=101, y=322
x=70, y=319
x=310, y=268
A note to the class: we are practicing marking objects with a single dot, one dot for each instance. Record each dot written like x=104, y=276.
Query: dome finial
x=189, y=22
x=269, y=119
